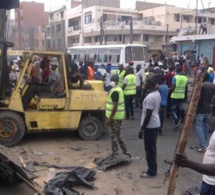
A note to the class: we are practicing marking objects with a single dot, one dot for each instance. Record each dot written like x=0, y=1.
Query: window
x=53, y=29
x=136, y=38
x=176, y=17
x=146, y=38
x=62, y=14
x=58, y=27
x=88, y=18
x=59, y=43
x=187, y=18
x=74, y=23
x=53, y=44
x=88, y=40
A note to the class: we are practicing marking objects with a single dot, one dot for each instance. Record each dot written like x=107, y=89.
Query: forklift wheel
x=12, y=128
x=90, y=128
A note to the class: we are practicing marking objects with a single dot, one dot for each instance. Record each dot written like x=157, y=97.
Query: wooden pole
x=186, y=129
x=30, y=184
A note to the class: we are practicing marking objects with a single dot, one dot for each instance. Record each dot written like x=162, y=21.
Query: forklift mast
x=4, y=71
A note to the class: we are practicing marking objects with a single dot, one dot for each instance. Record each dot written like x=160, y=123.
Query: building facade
x=105, y=25
x=28, y=16
x=197, y=45
x=55, y=31
x=11, y=35
x=181, y=19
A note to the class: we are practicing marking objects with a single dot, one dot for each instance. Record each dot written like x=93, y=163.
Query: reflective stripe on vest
x=121, y=77
x=120, y=112
x=180, y=86
x=130, y=88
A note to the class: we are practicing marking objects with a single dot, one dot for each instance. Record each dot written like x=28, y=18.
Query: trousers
x=207, y=189
x=177, y=109
x=116, y=137
x=129, y=105
x=150, y=143
x=202, y=128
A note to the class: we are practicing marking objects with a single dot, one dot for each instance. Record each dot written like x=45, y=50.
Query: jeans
x=129, y=105
x=207, y=189
x=177, y=110
x=150, y=143
x=138, y=96
x=202, y=128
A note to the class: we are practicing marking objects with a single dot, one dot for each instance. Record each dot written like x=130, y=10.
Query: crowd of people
x=161, y=90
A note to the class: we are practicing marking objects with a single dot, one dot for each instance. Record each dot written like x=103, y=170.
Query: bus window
x=81, y=57
x=86, y=57
x=138, y=54
x=105, y=58
x=95, y=57
x=75, y=57
x=128, y=55
x=110, y=58
x=118, y=58
x=115, y=59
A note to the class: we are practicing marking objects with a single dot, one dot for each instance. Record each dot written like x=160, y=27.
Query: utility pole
x=196, y=15
x=131, y=30
x=101, y=30
x=166, y=38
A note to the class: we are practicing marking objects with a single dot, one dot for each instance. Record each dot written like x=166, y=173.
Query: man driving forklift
x=52, y=86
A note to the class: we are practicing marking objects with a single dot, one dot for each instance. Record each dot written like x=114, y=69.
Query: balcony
x=153, y=45
x=192, y=31
x=73, y=29
x=137, y=24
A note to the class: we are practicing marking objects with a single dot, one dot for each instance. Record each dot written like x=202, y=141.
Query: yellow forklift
x=76, y=109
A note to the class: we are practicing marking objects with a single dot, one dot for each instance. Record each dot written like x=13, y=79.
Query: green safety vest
x=121, y=77
x=120, y=112
x=179, y=92
x=130, y=88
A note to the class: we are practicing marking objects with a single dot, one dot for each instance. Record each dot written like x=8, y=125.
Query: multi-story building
x=28, y=16
x=55, y=31
x=88, y=3
x=180, y=19
x=11, y=35
x=84, y=25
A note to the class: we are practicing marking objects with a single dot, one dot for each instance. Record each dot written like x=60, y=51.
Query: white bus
x=115, y=54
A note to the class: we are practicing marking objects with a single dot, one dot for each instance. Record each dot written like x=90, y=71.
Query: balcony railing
x=192, y=30
x=73, y=28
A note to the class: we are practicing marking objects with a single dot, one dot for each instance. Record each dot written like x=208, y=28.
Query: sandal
x=146, y=175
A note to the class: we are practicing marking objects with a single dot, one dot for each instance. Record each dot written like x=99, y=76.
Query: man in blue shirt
x=163, y=89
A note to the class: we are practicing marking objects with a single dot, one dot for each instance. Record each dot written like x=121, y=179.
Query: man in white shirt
x=150, y=125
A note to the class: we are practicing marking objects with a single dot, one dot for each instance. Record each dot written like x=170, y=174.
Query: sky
x=55, y=4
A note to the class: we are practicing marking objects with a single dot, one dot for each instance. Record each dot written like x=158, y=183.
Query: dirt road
x=68, y=149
